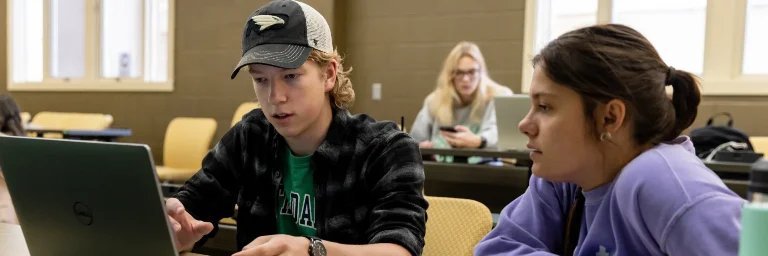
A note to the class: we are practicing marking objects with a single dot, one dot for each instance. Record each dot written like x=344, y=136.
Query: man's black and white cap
x=282, y=34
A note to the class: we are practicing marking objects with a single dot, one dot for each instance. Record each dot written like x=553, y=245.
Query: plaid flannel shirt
x=368, y=179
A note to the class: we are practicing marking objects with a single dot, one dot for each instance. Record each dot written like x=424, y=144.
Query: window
x=675, y=28
x=720, y=41
x=756, y=38
x=90, y=45
x=556, y=17
x=26, y=56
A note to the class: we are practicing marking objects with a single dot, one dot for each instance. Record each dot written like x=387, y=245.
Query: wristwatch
x=483, y=142
x=316, y=247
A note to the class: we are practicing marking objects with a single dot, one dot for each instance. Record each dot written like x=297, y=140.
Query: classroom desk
x=730, y=167
x=224, y=243
x=476, y=174
x=109, y=135
x=12, y=241
x=734, y=175
x=495, y=186
x=520, y=154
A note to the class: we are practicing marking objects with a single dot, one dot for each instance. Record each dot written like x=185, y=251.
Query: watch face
x=318, y=249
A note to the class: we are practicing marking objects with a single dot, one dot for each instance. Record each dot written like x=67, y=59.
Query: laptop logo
x=83, y=214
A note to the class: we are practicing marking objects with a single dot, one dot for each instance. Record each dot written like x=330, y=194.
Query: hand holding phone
x=448, y=129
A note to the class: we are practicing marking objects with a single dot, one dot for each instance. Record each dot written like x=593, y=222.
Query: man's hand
x=186, y=229
x=276, y=245
x=462, y=138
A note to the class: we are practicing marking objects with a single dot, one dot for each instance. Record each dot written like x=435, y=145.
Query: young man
x=307, y=176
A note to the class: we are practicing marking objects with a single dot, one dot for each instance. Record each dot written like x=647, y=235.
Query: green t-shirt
x=296, y=198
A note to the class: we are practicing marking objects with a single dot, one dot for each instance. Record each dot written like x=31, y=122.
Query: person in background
x=612, y=174
x=309, y=178
x=10, y=125
x=462, y=100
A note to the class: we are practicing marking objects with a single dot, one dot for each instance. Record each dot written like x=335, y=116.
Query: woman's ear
x=610, y=116
x=330, y=75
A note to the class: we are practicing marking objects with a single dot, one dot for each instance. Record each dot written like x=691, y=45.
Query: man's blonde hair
x=342, y=94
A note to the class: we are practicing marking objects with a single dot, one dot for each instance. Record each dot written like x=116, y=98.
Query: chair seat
x=228, y=221
x=174, y=175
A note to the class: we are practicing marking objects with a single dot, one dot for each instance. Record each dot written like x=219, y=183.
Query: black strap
x=573, y=224
x=712, y=118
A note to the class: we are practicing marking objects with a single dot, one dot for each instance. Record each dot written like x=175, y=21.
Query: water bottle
x=754, y=215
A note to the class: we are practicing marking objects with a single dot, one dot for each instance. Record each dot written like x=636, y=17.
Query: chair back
x=243, y=109
x=187, y=141
x=455, y=226
x=759, y=144
x=72, y=121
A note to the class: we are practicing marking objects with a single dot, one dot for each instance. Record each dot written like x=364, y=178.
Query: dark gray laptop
x=86, y=198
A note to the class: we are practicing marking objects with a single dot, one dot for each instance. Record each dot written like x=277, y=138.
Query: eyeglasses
x=458, y=73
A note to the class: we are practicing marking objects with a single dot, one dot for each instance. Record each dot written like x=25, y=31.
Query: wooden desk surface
x=12, y=241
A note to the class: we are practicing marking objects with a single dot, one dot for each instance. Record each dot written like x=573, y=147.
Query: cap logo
x=266, y=21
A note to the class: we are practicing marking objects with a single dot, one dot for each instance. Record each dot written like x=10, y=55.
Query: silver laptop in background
x=510, y=110
x=86, y=198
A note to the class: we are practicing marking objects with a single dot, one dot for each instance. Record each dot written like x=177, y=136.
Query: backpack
x=707, y=138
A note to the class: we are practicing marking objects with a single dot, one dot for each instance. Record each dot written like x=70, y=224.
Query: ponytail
x=10, y=119
x=685, y=100
x=12, y=126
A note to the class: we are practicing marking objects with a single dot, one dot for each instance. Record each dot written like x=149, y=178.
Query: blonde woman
x=461, y=104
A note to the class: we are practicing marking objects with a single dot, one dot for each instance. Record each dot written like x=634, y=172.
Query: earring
x=605, y=136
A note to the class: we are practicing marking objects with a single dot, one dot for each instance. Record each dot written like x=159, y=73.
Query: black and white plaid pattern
x=368, y=182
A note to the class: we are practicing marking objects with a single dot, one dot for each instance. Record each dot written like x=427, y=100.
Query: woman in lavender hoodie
x=608, y=153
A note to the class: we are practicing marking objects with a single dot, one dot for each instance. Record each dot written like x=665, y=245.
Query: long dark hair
x=612, y=61
x=10, y=118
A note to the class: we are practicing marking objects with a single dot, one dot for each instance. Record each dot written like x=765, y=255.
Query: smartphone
x=448, y=129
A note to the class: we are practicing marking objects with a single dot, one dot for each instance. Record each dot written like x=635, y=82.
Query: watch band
x=316, y=247
x=483, y=142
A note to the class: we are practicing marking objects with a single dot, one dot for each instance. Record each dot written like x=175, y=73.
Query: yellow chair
x=759, y=143
x=455, y=226
x=69, y=121
x=187, y=141
x=243, y=109
x=25, y=117
x=228, y=221
x=72, y=121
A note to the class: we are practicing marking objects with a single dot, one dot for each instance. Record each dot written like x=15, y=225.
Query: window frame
x=725, y=29
x=92, y=81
